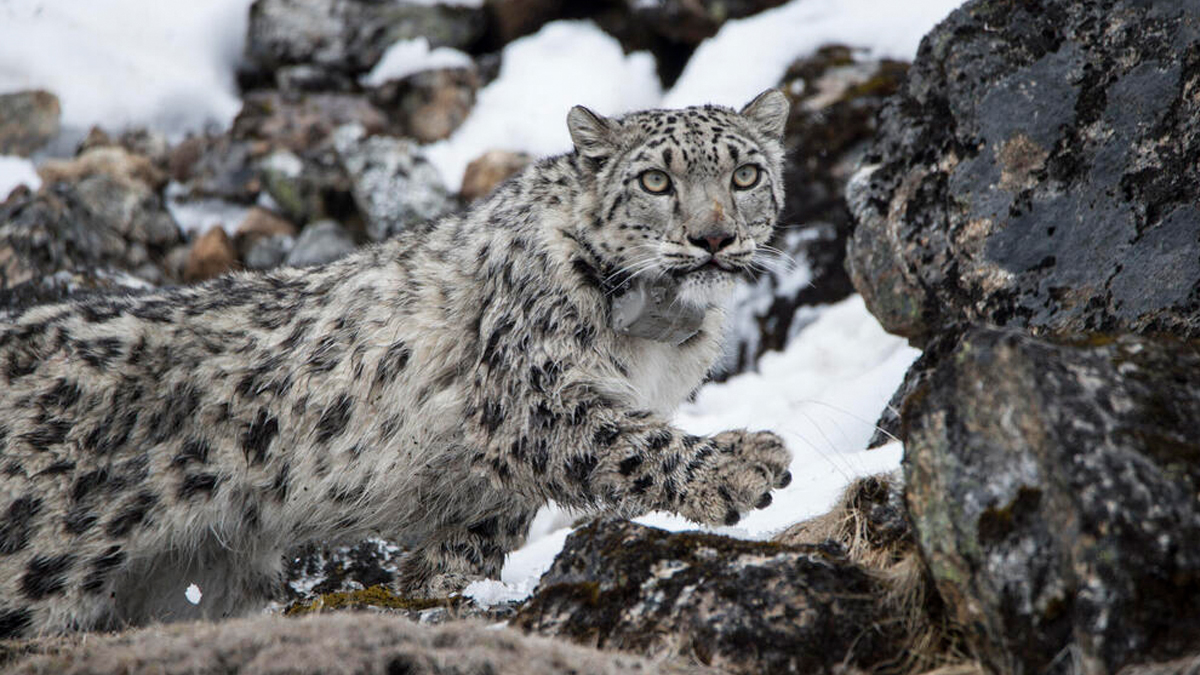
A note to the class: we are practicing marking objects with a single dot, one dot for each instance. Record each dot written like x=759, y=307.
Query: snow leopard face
x=691, y=194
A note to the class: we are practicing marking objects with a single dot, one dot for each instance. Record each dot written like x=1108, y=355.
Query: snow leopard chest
x=662, y=375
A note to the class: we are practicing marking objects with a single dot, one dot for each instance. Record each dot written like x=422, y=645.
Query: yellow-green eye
x=745, y=177
x=655, y=181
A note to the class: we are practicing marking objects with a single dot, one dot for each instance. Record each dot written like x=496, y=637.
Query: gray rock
x=394, y=186
x=692, y=21
x=269, y=252
x=428, y=106
x=339, y=643
x=321, y=242
x=100, y=224
x=1038, y=170
x=28, y=121
x=741, y=606
x=349, y=36
x=1053, y=488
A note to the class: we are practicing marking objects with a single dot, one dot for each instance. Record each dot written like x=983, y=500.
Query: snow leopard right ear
x=594, y=136
x=769, y=112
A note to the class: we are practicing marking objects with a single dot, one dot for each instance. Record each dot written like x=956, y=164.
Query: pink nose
x=712, y=241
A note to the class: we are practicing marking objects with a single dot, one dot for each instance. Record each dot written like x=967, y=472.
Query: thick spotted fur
x=440, y=386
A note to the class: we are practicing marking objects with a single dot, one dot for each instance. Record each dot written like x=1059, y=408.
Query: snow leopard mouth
x=710, y=266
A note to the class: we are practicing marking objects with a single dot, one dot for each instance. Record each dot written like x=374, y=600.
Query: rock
x=337, y=643
x=429, y=105
x=28, y=120
x=212, y=255
x=740, y=606
x=1038, y=170
x=490, y=169
x=321, y=242
x=394, y=186
x=269, y=252
x=511, y=19
x=692, y=21
x=109, y=160
x=299, y=121
x=258, y=225
x=217, y=167
x=835, y=97
x=349, y=36
x=1053, y=486
x=99, y=225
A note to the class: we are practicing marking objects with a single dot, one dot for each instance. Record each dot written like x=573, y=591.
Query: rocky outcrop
x=740, y=606
x=1038, y=170
x=393, y=184
x=1053, y=487
x=835, y=97
x=28, y=121
x=344, y=643
x=339, y=39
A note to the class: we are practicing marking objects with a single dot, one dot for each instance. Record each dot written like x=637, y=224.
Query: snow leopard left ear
x=594, y=136
x=768, y=112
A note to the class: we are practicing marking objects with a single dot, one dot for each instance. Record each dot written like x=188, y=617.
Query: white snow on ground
x=120, y=63
x=406, y=57
x=822, y=395
x=16, y=171
x=541, y=76
x=749, y=55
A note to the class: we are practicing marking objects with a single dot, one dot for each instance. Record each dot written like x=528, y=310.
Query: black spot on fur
x=393, y=362
x=326, y=356
x=666, y=157
x=642, y=484
x=580, y=468
x=46, y=575
x=64, y=394
x=14, y=622
x=588, y=273
x=47, y=435
x=258, y=436
x=194, y=450
x=196, y=483
x=99, y=353
x=334, y=419
x=629, y=464
x=133, y=513
x=605, y=435
x=492, y=416
x=18, y=524
x=281, y=483
x=177, y=409
x=59, y=467
x=101, y=568
x=487, y=528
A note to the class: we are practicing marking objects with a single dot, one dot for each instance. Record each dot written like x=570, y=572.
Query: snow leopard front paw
x=741, y=472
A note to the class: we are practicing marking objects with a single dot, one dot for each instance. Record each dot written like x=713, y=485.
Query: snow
x=406, y=57
x=749, y=55
x=124, y=63
x=16, y=171
x=822, y=395
x=193, y=594
x=566, y=63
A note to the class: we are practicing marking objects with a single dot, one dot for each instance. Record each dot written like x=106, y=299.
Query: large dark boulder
x=1039, y=169
x=742, y=606
x=1055, y=491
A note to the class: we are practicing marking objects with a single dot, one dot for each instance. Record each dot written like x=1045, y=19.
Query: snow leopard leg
x=455, y=556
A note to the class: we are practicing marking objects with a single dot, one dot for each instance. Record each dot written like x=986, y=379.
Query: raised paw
x=740, y=475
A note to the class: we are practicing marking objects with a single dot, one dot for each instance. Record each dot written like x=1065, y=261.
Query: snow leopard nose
x=712, y=241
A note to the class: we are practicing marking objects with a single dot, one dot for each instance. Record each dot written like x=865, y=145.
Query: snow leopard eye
x=746, y=176
x=655, y=182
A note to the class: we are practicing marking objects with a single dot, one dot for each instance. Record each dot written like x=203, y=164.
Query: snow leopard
x=440, y=386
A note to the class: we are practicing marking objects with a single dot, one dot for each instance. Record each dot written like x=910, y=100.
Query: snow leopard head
x=690, y=194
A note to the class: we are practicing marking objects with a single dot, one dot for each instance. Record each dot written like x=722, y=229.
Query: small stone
x=394, y=186
x=430, y=104
x=490, y=169
x=321, y=242
x=268, y=252
x=212, y=255
x=28, y=121
x=109, y=160
x=259, y=224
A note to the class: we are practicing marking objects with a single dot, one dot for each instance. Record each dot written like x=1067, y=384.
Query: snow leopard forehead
x=700, y=141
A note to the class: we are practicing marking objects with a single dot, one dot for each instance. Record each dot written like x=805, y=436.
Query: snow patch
x=406, y=57
x=16, y=171
x=566, y=63
x=193, y=594
x=749, y=55
x=127, y=63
